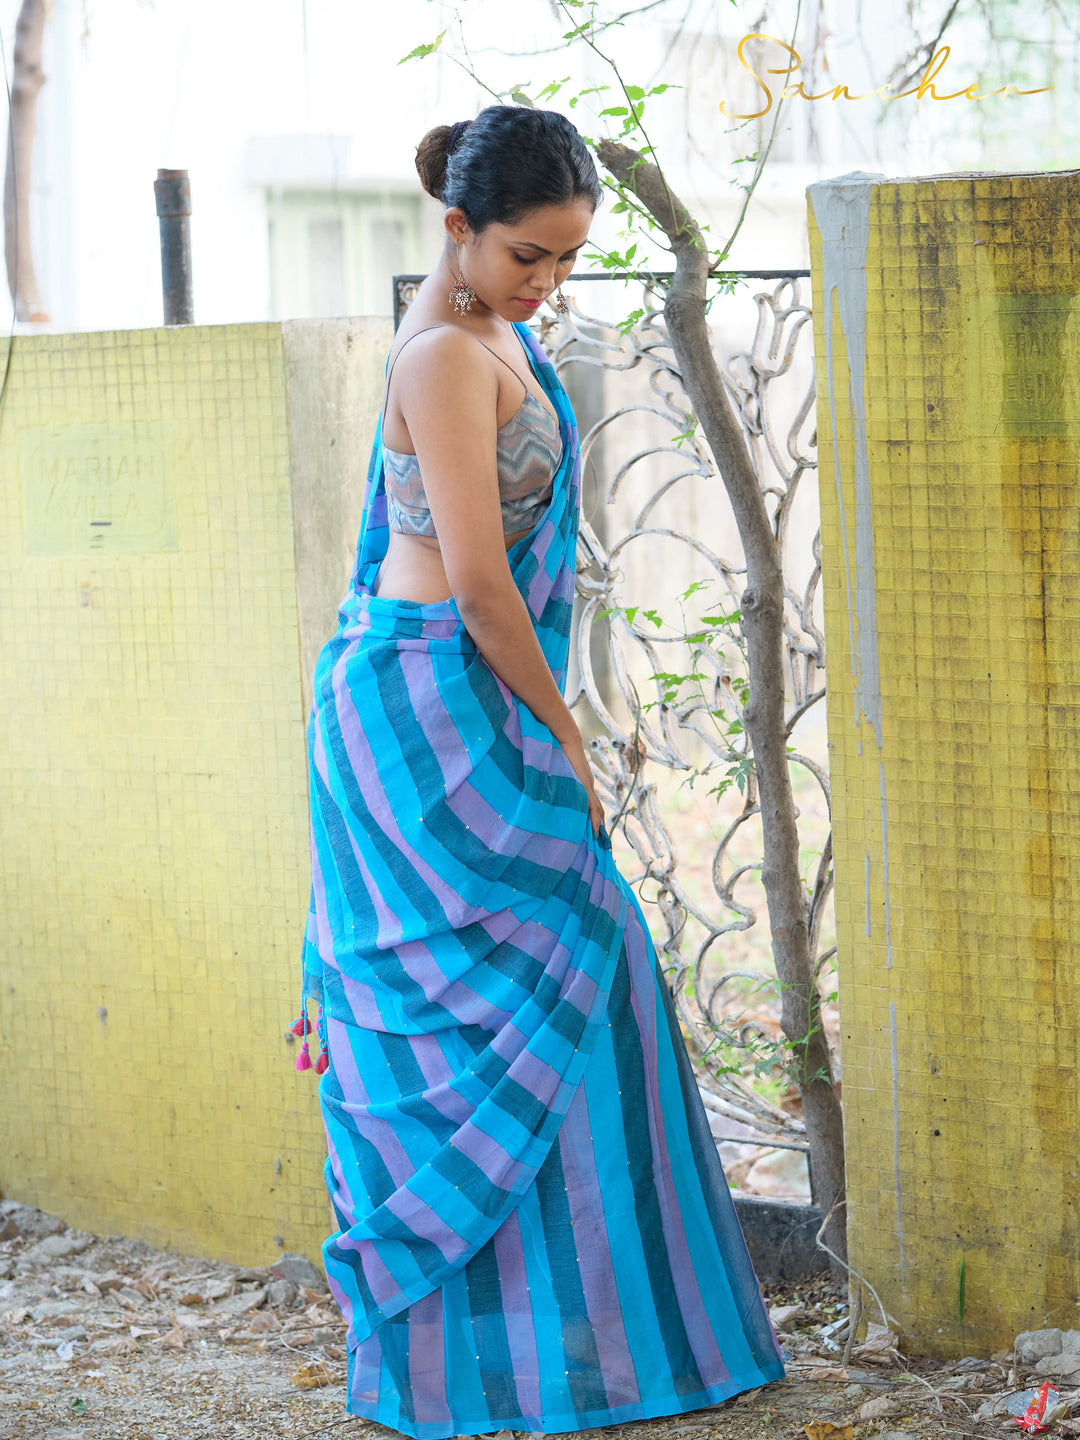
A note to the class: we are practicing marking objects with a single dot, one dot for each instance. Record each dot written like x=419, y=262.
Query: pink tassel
x=303, y=1060
x=322, y=1064
x=301, y=1026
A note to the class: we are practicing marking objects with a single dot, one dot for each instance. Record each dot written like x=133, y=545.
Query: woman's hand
x=574, y=747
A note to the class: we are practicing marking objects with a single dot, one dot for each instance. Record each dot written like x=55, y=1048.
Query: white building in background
x=298, y=126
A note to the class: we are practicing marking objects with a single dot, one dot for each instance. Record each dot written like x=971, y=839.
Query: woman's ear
x=457, y=227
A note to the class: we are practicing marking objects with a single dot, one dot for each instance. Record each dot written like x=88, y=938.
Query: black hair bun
x=433, y=152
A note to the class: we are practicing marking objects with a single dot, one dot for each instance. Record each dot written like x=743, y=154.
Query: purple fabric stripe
x=442, y=990
x=504, y=836
x=530, y=935
x=486, y=1152
x=449, y=1103
x=365, y=770
x=535, y=1076
x=517, y=1313
x=540, y=584
x=362, y=1001
x=447, y=745
x=585, y=992
x=343, y=1196
x=379, y=1132
x=382, y=1283
x=577, y=1153
x=427, y=1360
x=373, y=891
x=469, y=1007
x=342, y=1296
x=421, y=1219
x=323, y=938
x=510, y=1041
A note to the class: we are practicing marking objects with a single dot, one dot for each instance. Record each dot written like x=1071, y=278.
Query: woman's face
x=513, y=268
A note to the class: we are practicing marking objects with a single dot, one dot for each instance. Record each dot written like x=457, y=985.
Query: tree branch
x=764, y=719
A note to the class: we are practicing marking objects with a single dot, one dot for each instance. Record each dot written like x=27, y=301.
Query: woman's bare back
x=412, y=568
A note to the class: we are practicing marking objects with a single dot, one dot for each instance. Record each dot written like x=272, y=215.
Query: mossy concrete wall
x=947, y=332
x=177, y=519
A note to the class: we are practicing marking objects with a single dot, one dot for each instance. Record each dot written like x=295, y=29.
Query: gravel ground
x=113, y=1339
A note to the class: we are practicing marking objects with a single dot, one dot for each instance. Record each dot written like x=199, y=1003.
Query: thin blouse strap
x=517, y=377
x=513, y=372
x=386, y=392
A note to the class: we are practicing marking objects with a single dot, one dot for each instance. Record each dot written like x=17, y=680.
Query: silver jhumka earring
x=562, y=309
x=462, y=295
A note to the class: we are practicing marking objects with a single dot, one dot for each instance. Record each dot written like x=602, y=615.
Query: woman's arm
x=449, y=406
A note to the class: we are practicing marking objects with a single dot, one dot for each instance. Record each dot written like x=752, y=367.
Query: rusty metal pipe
x=173, y=195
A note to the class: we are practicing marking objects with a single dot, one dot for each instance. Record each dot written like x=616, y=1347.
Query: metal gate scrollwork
x=654, y=491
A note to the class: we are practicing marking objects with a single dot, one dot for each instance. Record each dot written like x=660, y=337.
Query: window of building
x=335, y=252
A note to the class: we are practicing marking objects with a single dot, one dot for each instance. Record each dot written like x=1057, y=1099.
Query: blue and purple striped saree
x=534, y=1229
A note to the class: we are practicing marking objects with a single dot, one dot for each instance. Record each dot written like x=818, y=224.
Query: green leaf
x=552, y=88
x=635, y=92
x=78, y=1406
x=422, y=50
x=625, y=325
x=521, y=98
x=654, y=617
x=615, y=110
x=694, y=588
x=611, y=259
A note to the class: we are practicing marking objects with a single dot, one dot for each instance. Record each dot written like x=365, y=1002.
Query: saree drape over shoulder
x=535, y=1232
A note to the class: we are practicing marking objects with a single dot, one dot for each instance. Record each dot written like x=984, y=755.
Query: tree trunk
x=27, y=80
x=764, y=719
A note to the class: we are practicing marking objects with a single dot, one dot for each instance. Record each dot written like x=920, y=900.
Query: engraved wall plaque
x=1023, y=365
x=98, y=489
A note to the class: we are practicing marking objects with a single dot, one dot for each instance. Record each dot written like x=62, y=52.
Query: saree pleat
x=534, y=1230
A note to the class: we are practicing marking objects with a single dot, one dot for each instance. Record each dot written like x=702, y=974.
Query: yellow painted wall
x=154, y=862
x=949, y=434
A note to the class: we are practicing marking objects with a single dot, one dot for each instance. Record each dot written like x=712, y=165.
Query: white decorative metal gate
x=661, y=694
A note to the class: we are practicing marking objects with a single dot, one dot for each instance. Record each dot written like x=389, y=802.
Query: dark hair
x=508, y=161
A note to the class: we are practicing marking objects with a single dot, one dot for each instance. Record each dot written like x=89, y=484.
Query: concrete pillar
x=947, y=344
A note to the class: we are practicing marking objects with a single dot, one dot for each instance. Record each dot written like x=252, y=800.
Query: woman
x=534, y=1231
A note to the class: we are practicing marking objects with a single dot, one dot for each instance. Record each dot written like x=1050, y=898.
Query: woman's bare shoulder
x=442, y=346
x=449, y=366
